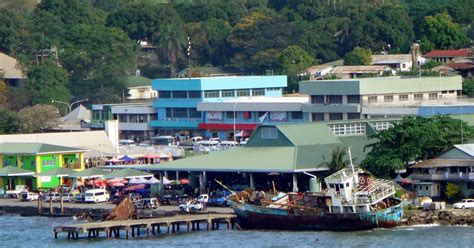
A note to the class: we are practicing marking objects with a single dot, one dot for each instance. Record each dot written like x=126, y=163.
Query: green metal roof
x=36, y=148
x=307, y=145
x=308, y=134
x=57, y=172
x=127, y=173
x=137, y=81
x=11, y=171
x=90, y=173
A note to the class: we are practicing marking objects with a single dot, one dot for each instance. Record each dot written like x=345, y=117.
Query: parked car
x=191, y=206
x=16, y=193
x=29, y=196
x=220, y=199
x=54, y=196
x=96, y=195
x=464, y=203
x=79, y=197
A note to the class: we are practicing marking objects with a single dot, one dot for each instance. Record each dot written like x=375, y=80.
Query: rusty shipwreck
x=353, y=200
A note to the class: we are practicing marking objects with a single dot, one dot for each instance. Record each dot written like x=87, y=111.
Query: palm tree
x=338, y=161
x=171, y=41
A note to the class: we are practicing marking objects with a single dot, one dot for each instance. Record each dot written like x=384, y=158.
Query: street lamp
x=69, y=105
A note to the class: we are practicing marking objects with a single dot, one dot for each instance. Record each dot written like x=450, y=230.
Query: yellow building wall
x=38, y=170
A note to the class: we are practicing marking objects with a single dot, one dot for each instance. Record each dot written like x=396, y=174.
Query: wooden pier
x=152, y=226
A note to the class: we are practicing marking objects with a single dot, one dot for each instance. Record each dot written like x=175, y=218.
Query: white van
x=96, y=195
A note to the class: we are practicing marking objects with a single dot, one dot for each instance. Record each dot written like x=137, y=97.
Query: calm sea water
x=16, y=231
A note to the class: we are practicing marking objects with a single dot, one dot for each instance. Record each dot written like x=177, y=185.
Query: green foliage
x=338, y=160
x=3, y=92
x=171, y=41
x=293, y=61
x=453, y=192
x=10, y=31
x=468, y=87
x=38, y=118
x=98, y=59
x=18, y=98
x=358, y=56
x=412, y=139
x=9, y=122
x=440, y=32
x=430, y=64
x=48, y=82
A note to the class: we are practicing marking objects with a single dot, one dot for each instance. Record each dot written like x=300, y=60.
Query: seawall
x=442, y=217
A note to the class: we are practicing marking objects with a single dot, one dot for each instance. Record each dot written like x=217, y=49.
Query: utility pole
x=189, y=57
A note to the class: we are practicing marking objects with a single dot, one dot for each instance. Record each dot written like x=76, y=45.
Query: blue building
x=178, y=99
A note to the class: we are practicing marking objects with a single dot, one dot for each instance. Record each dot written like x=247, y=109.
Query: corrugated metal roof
x=466, y=148
x=390, y=58
x=96, y=143
x=308, y=134
x=441, y=163
x=35, y=148
x=448, y=53
x=8, y=67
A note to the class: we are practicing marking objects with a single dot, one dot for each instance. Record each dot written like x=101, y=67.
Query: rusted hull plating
x=258, y=217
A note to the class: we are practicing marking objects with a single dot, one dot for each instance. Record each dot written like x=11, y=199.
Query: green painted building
x=39, y=157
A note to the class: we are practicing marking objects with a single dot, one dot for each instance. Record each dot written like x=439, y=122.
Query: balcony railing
x=445, y=177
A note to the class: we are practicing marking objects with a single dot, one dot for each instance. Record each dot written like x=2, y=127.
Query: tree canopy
x=413, y=139
x=358, y=56
x=38, y=118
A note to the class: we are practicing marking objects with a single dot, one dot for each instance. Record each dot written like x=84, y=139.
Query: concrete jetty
x=152, y=226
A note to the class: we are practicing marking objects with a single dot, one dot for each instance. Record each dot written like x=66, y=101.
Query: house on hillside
x=446, y=56
x=453, y=166
x=9, y=71
x=397, y=62
x=139, y=88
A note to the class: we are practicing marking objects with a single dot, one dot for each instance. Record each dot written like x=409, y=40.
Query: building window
x=51, y=162
x=433, y=96
x=444, y=92
x=193, y=113
x=243, y=92
x=348, y=129
x=317, y=116
x=169, y=113
x=418, y=96
x=258, y=92
x=296, y=115
x=247, y=115
x=228, y=93
x=230, y=114
x=388, y=98
x=142, y=118
x=353, y=99
x=194, y=94
x=273, y=89
x=335, y=116
x=211, y=94
x=123, y=118
x=269, y=133
x=153, y=117
x=317, y=99
x=132, y=118
x=180, y=113
x=373, y=99
x=403, y=98
x=180, y=94
x=334, y=98
x=164, y=94
x=353, y=116
x=379, y=126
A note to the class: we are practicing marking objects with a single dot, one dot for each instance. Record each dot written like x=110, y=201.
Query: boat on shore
x=353, y=200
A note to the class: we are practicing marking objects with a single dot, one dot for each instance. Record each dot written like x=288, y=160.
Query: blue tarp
x=127, y=159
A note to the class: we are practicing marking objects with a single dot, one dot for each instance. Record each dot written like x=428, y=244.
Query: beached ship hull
x=259, y=217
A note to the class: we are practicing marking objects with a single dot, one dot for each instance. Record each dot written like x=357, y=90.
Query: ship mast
x=352, y=165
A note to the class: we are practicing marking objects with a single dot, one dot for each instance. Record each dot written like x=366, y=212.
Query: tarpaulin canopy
x=135, y=187
x=166, y=181
x=184, y=181
x=128, y=173
x=150, y=156
x=127, y=159
x=153, y=180
x=114, y=160
x=138, y=180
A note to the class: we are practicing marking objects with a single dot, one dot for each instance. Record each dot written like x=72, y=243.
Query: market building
x=39, y=157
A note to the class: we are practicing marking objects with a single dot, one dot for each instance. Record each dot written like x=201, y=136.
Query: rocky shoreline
x=441, y=217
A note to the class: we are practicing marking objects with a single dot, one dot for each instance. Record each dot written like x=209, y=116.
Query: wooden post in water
x=40, y=203
x=50, y=202
x=61, y=204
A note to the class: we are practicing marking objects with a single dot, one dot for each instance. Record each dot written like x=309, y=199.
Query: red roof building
x=445, y=56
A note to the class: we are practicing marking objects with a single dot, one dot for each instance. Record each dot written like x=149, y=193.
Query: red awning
x=219, y=126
